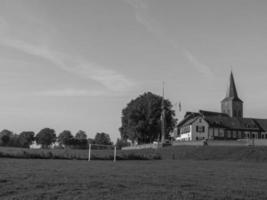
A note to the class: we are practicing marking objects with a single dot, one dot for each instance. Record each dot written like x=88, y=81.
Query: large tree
x=102, y=138
x=46, y=137
x=5, y=137
x=141, y=119
x=26, y=138
x=64, y=138
x=81, y=135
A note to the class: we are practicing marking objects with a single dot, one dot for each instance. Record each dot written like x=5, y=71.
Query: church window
x=234, y=134
x=221, y=133
x=239, y=134
x=229, y=134
x=216, y=132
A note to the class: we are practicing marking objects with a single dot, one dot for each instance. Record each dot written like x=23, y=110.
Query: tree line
x=140, y=123
x=47, y=137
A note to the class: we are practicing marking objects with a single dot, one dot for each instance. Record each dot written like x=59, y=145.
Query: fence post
x=115, y=152
x=89, y=153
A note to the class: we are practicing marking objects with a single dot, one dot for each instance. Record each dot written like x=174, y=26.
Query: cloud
x=110, y=79
x=70, y=92
x=204, y=69
x=143, y=17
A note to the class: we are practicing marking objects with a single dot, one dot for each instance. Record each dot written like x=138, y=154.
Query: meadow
x=36, y=179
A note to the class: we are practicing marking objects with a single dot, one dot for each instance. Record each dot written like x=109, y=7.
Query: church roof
x=222, y=120
x=211, y=113
x=232, y=123
x=231, y=91
x=262, y=123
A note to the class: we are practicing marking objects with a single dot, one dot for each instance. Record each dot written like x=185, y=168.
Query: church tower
x=231, y=104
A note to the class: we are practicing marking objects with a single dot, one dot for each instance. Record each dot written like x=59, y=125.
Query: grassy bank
x=258, y=154
x=231, y=153
x=73, y=154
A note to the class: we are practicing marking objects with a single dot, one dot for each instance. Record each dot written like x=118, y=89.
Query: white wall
x=186, y=136
x=193, y=135
x=200, y=122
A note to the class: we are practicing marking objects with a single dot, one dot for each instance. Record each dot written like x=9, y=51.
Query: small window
x=200, y=129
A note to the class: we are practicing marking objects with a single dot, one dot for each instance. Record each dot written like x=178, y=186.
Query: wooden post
x=89, y=152
x=115, y=152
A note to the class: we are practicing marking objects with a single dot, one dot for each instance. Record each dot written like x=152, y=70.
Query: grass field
x=161, y=179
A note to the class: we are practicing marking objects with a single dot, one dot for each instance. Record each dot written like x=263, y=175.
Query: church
x=229, y=124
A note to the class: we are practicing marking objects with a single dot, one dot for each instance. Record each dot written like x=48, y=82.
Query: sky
x=72, y=65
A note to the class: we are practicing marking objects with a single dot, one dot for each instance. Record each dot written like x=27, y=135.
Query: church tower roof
x=231, y=91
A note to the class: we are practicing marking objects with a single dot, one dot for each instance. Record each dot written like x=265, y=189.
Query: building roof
x=210, y=113
x=222, y=120
x=190, y=121
x=231, y=91
x=262, y=123
x=187, y=117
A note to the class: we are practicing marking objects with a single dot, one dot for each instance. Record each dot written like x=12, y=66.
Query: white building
x=194, y=129
x=229, y=124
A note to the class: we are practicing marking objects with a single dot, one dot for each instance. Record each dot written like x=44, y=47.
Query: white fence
x=143, y=146
x=255, y=142
x=240, y=142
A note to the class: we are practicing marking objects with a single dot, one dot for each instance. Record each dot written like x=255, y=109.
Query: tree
x=102, y=138
x=5, y=136
x=122, y=143
x=141, y=119
x=14, y=141
x=64, y=138
x=26, y=138
x=91, y=141
x=46, y=137
x=5, y=140
x=81, y=135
